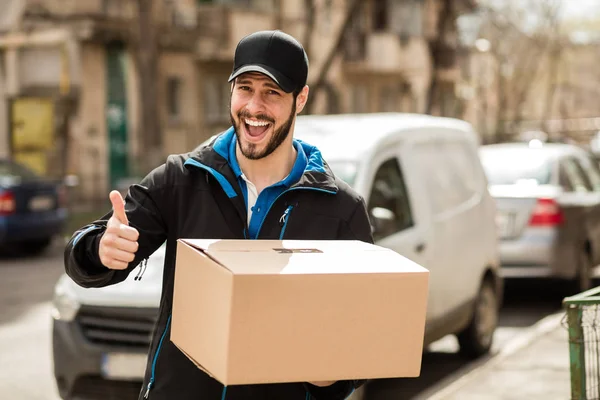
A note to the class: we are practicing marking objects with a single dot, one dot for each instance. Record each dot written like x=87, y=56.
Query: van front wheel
x=477, y=338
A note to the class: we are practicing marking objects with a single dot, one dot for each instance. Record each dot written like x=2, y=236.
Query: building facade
x=70, y=89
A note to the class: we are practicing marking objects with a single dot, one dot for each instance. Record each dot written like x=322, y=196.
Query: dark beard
x=249, y=150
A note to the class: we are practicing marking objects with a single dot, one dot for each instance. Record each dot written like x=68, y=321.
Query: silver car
x=548, y=210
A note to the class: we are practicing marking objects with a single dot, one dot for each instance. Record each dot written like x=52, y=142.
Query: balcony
x=385, y=52
x=220, y=27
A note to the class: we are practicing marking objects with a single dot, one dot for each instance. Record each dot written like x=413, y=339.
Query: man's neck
x=269, y=170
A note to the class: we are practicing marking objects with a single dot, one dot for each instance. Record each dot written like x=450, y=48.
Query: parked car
x=427, y=196
x=32, y=208
x=548, y=200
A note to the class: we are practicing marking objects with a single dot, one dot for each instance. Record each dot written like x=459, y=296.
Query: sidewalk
x=536, y=366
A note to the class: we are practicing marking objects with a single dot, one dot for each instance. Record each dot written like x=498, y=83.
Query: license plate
x=504, y=224
x=123, y=366
x=41, y=203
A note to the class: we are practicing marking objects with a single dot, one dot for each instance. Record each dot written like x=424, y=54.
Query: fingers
x=118, y=205
x=121, y=230
x=118, y=245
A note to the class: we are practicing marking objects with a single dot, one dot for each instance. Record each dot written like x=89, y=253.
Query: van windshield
x=345, y=170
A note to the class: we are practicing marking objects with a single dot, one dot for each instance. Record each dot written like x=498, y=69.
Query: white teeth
x=256, y=123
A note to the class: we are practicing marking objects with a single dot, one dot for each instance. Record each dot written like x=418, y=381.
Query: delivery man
x=254, y=181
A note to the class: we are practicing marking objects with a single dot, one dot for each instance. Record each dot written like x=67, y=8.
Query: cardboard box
x=251, y=311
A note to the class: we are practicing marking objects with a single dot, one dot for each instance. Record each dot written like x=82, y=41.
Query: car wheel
x=476, y=340
x=584, y=278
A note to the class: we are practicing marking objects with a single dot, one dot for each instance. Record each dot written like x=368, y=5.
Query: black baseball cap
x=275, y=54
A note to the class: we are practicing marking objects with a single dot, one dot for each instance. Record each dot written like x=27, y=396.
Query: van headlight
x=65, y=304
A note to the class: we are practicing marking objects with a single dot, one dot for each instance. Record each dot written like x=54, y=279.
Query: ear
x=302, y=99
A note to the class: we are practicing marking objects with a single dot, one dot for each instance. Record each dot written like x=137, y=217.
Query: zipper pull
x=142, y=270
x=284, y=216
x=148, y=389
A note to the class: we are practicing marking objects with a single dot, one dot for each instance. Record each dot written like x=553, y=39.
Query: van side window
x=389, y=205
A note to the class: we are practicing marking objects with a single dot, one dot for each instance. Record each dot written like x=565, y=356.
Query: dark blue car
x=32, y=208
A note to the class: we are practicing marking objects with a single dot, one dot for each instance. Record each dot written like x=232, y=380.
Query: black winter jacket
x=196, y=195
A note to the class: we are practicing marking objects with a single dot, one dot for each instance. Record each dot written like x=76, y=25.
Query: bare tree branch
x=321, y=80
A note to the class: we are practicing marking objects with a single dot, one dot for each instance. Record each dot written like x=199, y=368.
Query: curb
x=453, y=383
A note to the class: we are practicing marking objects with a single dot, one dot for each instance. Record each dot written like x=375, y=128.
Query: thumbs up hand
x=119, y=243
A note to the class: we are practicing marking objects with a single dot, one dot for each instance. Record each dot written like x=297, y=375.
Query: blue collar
x=300, y=164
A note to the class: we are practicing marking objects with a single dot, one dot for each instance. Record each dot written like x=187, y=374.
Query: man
x=253, y=181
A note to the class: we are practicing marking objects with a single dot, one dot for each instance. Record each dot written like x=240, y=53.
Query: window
x=389, y=98
x=571, y=178
x=359, y=99
x=216, y=100
x=173, y=98
x=406, y=18
x=380, y=15
x=525, y=166
x=389, y=205
x=590, y=170
x=345, y=170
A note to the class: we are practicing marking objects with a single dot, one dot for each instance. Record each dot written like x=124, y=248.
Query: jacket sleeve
x=358, y=226
x=145, y=209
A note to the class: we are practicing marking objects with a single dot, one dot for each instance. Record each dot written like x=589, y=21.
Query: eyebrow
x=269, y=83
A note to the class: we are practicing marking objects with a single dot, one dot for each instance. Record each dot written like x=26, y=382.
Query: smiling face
x=262, y=114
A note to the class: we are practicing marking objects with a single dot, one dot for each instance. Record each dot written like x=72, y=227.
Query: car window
x=526, y=166
x=572, y=177
x=591, y=171
x=389, y=205
x=345, y=170
x=9, y=168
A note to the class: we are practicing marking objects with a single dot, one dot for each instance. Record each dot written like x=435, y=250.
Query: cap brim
x=283, y=82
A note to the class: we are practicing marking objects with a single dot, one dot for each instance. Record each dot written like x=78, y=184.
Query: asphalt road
x=26, y=285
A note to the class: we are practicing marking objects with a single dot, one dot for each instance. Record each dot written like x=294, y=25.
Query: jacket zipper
x=283, y=221
x=160, y=343
x=142, y=270
x=284, y=192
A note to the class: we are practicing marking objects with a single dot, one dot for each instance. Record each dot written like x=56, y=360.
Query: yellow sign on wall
x=32, y=124
x=36, y=161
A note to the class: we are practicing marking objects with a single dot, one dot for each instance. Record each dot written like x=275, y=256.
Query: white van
x=427, y=197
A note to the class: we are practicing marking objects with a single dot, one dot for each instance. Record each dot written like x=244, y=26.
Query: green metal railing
x=583, y=322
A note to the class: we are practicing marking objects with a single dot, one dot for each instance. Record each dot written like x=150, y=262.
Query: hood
x=214, y=156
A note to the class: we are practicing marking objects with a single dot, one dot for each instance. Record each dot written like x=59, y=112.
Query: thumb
x=118, y=205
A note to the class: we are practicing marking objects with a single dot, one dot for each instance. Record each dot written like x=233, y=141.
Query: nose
x=255, y=104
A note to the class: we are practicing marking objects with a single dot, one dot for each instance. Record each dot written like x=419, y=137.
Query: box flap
x=195, y=362
x=245, y=245
x=303, y=257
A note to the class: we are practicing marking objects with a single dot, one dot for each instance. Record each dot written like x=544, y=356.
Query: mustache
x=259, y=117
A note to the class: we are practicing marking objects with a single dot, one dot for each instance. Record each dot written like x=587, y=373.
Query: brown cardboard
x=261, y=311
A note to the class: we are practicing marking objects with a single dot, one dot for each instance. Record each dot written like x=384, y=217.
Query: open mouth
x=256, y=129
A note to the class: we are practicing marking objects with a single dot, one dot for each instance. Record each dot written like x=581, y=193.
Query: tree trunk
x=353, y=7
x=553, y=75
x=148, y=80
x=310, y=7
x=499, y=132
x=445, y=16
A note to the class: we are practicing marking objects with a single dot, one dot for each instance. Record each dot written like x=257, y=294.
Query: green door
x=116, y=113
